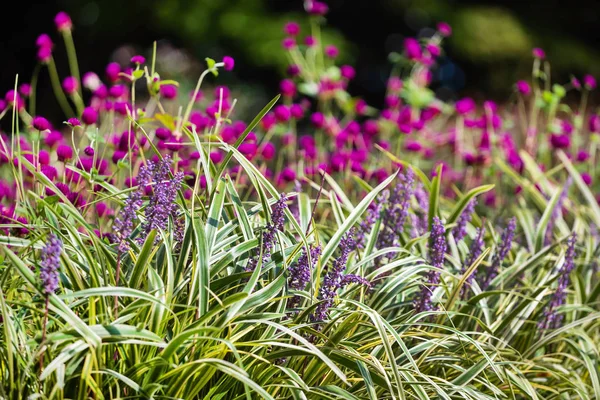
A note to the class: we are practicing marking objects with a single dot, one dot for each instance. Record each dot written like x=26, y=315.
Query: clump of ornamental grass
x=171, y=265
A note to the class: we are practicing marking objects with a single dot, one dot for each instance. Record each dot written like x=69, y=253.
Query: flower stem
x=58, y=92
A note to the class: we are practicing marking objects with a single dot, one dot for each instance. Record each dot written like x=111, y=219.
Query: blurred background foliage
x=489, y=50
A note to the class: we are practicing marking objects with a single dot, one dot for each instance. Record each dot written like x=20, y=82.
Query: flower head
x=270, y=232
x=229, y=63
x=460, y=230
x=538, y=53
x=501, y=252
x=40, y=123
x=437, y=251
x=50, y=264
x=63, y=22
x=444, y=29
x=138, y=59
x=551, y=319
x=70, y=85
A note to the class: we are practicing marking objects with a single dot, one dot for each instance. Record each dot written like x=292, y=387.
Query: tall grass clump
x=154, y=247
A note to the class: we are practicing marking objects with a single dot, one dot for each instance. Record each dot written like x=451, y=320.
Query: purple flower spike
x=475, y=251
x=552, y=319
x=50, y=263
x=437, y=251
x=301, y=271
x=501, y=252
x=460, y=230
x=270, y=232
x=335, y=278
x=394, y=216
x=162, y=203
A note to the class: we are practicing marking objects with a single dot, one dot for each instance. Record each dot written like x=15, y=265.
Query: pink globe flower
x=70, y=85
x=412, y=49
x=63, y=22
x=64, y=153
x=25, y=89
x=315, y=7
x=594, y=123
x=288, y=43
x=538, y=53
x=331, y=51
x=444, y=29
x=292, y=29
x=113, y=70
x=40, y=123
x=89, y=115
x=229, y=63
x=524, y=88
x=168, y=92
x=465, y=106
x=73, y=122
x=590, y=82
x=138, y=59
x=347, y=72
x=44, y=41
x=587, y=178
x=267, y=150
x=310, y=41
x=288, y=88
x=44, y=54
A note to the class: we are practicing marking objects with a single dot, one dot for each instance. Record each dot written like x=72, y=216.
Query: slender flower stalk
x=501, y=252
x=437, y=251
x=270, y=232
x=552, y=319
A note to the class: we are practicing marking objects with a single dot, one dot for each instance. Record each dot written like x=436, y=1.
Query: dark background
x=489, y=51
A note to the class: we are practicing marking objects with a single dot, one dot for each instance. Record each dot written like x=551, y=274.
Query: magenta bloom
x=64, y=153
x=331, y=51
x=268, y=151
x=138, y=59
x=560, y=141
x=70, y=85
x=594, y=123
x=169, y=92
x=89, y=151
x=587, y=178
x=347, y=72
x=44, y=54
x=465, y=106
x=292, y=28
x=293, y=70
x=63, y=21
x=44, y=41
x=590, y=82
x=89, y=115
x=288, y=88
x=40, y=123
x=524, y=88
x=73, y=122
x=444, y=29
x=112, y=71
x=229, y=63
x=310, y=41
x=25, y=89
x=282, y=113
x=288, y=43
x=318, y=120
x=412, y=49
x=538, y=53
x=317, y=8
